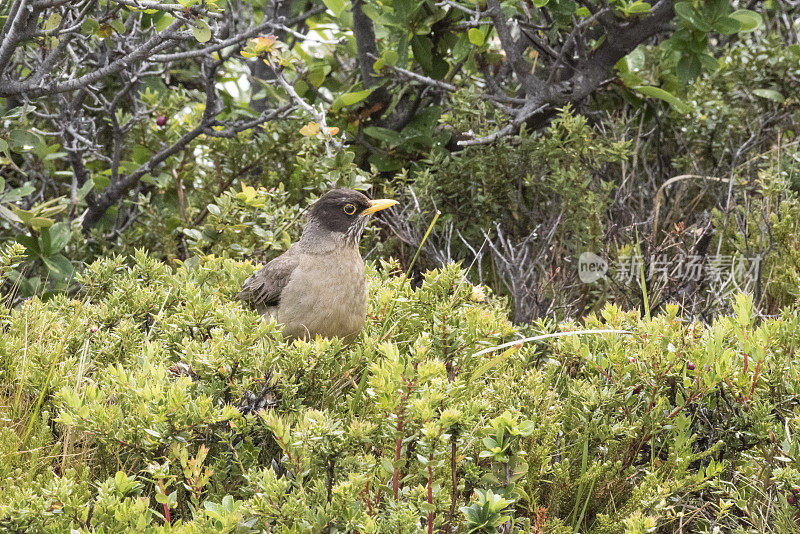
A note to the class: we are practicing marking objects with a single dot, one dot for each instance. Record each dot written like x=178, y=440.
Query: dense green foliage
x=151, y=400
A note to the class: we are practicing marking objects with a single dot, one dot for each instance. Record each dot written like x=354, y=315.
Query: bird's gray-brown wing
x=263, y=288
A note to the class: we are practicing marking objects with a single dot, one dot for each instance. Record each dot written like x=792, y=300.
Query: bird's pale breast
x=326, y=295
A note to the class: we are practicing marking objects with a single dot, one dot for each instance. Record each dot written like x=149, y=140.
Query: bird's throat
x=319, y=240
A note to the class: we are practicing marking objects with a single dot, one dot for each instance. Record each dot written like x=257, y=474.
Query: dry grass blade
x=548, y=336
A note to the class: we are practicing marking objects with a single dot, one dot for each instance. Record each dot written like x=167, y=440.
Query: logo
x=591, y=267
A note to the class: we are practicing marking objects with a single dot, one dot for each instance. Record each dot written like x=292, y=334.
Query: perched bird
x=317, y=287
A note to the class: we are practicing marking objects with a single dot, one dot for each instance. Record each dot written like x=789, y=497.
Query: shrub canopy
x=151, y=401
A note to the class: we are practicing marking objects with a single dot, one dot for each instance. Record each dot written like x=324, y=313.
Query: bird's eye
x=349, y=209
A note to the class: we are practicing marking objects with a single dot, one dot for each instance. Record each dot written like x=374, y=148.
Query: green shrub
x=153, y=398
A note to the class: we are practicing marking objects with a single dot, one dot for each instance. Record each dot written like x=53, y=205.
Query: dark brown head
x=344, y=211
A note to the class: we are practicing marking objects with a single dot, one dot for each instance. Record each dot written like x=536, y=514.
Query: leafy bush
x=529, y=202
x=153, y=401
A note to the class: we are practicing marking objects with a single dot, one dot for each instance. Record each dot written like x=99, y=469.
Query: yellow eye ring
x=349, y=209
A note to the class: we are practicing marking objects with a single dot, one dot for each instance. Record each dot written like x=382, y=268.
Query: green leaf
x=635, y=59
x=317, y=74
x=769, y=94
x=193, y=234
x=404, y=10
x=427, y=507
x=390, y=56
x=748, y=20
x=348, y=99
x=140, y=154
x=430, y=61
x=31, y=245
x=387, y=466
x=4, y=147
x=21, y=139
x=59, y=266
x=374, y=13
x=52, y=22
x=165, y=20
x=390, y=137
x=476, y=36
x=638, y=7
x=44, y=241
x=101, y=181
x=422, y=47
x=563, y=8
x=661, y=94
x=28, y=286
x=201, y=31
x=60, y=235
x=118, y=26
x=526, y=428
x=688, y=68
x=301, y=87
x=90, y=26
x=19, y=192
x=84, y=189
x=708, y=62
x=337, y=6
x=687, y=12
x=40, y=222
x=727, y=25
x=23, y=215
x=385, y=163
x=9, y=215
x=540, y=3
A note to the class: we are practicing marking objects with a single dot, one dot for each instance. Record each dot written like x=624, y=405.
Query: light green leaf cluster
x=152, y=401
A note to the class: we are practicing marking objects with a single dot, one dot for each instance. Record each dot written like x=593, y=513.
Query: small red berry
x=791, y=500
x=93, y=330
x=637, y=389
x=796, y=490
x=631, y=359
x=690, y=365
x=161, y=120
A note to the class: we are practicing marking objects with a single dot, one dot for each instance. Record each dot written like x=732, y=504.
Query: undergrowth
x=153, y=401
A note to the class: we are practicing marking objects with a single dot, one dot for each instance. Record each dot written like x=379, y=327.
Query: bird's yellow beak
x=378, y=205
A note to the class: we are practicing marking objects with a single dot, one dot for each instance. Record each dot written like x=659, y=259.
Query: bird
x=318, y=286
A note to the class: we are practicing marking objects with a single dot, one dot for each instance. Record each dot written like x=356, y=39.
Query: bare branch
x=12, y=88
x=237, y=39
x=148, y=4
x=366, y=46
x=524, y=114
x=534, y=87
x=419, y=77
x=318, y=114
x=593, y=70
x=232, y=129
x=16, y=19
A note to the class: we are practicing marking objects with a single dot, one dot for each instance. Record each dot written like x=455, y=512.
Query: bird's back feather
x=264, y=287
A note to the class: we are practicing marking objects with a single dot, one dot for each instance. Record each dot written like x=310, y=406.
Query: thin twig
x=509, y=129
x=419, y=77
x=548, y=336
